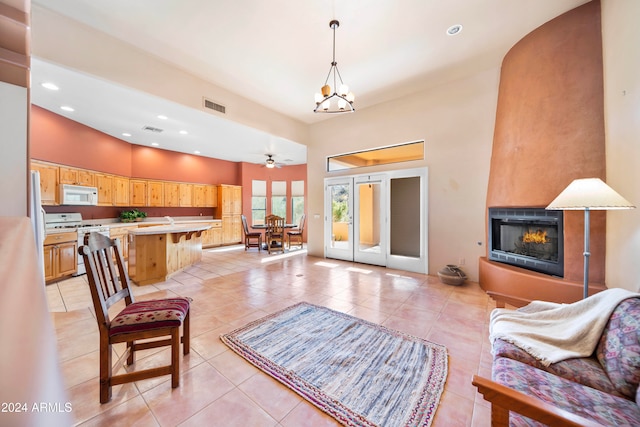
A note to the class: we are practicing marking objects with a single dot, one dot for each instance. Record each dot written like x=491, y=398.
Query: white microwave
x=78, y=195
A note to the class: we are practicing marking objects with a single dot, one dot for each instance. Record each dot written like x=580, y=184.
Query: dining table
x=264, y=227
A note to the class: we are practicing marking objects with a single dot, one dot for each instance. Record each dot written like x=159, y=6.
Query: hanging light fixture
x=343, y=102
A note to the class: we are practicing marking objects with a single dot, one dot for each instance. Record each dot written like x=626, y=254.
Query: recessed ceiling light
x=155, y=144
x=126, y=134
x=162, y=117
x=183, y=132
x=454, y=29
x=50, y=86
x=67, y=108
x=196, y=152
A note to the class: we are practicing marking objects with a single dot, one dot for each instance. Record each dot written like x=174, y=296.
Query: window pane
x=297, y=208
x=258, y=210
x=279, y=206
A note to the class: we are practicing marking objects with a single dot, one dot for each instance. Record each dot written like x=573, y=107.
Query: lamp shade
x=589, y=193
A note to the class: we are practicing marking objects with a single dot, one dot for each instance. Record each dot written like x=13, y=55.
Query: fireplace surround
x=530, y=238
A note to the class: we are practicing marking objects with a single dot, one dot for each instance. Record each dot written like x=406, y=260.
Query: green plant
x=139, y=213
x=128, y=216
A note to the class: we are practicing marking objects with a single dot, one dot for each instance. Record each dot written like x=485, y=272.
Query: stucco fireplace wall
x=549, y=131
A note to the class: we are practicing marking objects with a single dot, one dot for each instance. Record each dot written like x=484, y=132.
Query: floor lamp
x=586, y=195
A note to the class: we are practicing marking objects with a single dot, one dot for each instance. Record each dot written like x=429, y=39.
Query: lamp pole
x=587, y=254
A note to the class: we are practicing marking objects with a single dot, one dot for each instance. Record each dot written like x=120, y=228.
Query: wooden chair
x=296, y=233
x=256, y=236
x=109, y=283
x=274, y=234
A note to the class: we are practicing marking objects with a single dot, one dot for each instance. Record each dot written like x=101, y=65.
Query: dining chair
x=274, y=234
x=252, y=239
x=296, y=233
x=159, y=320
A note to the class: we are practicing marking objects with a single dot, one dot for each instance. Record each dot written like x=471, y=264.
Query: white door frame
x=416, y=263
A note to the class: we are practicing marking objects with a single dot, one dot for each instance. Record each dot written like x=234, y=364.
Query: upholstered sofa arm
x=504, y=399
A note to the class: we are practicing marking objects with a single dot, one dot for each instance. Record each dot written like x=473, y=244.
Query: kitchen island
x=157, y=252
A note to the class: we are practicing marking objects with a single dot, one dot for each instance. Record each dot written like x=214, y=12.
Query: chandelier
x=343, y=102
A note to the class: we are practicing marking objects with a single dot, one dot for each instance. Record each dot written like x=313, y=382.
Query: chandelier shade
x=340, y=100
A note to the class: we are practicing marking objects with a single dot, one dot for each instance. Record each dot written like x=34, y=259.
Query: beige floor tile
x=230, y=288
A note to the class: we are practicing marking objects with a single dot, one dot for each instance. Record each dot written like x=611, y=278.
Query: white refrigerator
x=37, y=218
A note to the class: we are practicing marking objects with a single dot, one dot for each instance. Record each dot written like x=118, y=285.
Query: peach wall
x=149, y=162
x=550, y=130
x=250, y=171
x=57, y=139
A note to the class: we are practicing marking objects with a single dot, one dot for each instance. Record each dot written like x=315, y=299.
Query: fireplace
x=530, y=238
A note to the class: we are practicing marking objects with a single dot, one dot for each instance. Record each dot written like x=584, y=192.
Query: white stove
x=69, y=222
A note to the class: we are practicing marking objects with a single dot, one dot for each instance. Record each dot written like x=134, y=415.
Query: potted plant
x=139, y=215
x=127, y=216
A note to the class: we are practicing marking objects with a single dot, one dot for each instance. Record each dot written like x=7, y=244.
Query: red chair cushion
x=147, y=315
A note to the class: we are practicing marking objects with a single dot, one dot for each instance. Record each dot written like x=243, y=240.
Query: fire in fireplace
x=530, y=238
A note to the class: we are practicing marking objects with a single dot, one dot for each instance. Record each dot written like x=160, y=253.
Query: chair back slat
x=244, y=224
x=301, y=223
x=108, y=280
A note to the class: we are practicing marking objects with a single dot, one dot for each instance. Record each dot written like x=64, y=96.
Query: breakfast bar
x=157, y=252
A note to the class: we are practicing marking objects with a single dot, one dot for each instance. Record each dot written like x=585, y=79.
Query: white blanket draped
x=553, y=332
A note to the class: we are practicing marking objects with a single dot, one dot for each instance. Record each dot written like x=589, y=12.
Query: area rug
x=360, y=373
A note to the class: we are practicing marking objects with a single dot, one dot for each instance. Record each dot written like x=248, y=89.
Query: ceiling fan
x=270, y=163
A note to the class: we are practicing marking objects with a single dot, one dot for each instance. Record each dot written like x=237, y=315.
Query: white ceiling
x=277, y=53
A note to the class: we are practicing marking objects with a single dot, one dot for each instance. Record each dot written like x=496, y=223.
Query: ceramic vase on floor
x=452, y=275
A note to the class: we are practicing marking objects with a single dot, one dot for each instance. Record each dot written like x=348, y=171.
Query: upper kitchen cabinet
x=155, y=193
x=230, y=199
x=186, y=195
x=121, y=191
x=171, y=194
x=104, y=183
x=76, y=176
x=211, y=196
x=138, y=192
x=48, y=182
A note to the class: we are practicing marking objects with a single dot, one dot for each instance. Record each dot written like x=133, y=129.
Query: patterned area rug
x=360, y=373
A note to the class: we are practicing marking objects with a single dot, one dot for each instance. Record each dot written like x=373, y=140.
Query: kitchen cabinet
x=211, y=196
x=199, y=195
x=155, y=193
x=186, y=194
x=137, y=192
x=204, y=195
x=76, y=176
x=104, y=183
x=120, y=191
x=213, y=236
x=48, y=182
x=229, y=210
x=171, y=194
x=60, y=255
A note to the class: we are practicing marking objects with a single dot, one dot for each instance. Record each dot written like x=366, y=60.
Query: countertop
x=168, y=228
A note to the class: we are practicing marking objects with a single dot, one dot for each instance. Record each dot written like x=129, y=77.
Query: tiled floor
x=231, y=287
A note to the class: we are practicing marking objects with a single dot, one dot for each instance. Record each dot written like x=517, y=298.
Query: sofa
x=601, y=389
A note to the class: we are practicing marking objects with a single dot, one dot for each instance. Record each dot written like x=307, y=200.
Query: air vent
x=213, y=106
x=152, y=129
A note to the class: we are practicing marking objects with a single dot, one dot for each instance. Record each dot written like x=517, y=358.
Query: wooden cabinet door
x=120, y=191
x=171, y=194
x=48, y=183
x=216, y=239
x=86, y=178
x=155, y=193
x=227, y=229
x=199, y=195
x=236, y=200
x=68, y=175
x=237, y=229
x=105, y=189
x=137, y=192
x=186, y=194
x=210, y=196
x=49, y=262
x=67, y=258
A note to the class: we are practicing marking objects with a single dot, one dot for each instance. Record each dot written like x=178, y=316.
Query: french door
x=378, y=219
